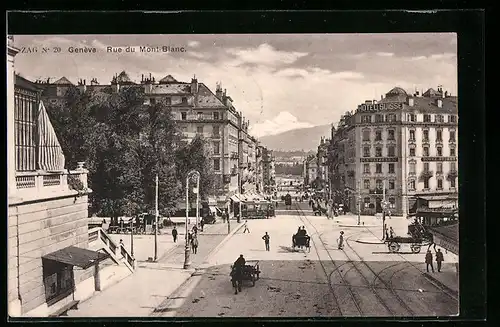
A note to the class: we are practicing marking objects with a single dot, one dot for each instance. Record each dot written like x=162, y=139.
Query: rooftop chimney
x=440, y=103
x=410, y=102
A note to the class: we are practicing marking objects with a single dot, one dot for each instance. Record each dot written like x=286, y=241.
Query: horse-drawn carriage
x=257, y=209
x=301, y=241
x=248, y=272
x=418, y=237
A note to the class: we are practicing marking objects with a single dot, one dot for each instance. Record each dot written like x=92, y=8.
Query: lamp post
x=359, y=201
x=192, y=173
x=132, y=238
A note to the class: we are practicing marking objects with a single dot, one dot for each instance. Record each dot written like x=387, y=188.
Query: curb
x=211, y=253
x=357, y=226
x=439, y=284
x=370, y=242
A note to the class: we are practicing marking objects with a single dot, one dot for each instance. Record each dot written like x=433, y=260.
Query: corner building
x=407, y=143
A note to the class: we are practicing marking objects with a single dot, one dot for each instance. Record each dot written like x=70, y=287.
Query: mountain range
x=305, y=139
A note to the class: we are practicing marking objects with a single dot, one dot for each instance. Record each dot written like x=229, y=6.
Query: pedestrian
x=194, y=244
x=246, y=227
x=174, y=234
x=341, y=240
x=439, y=259
x=266, y=241
x=202, y=223
x=121, y=242
x=195, y=229
x=386, y=235
x=391, y=231
x=428, y=260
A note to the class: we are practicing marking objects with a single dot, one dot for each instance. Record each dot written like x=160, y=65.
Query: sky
x=278, y=81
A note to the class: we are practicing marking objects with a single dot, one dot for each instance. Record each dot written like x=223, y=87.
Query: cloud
x=385, y=54
x=193, y=44
x=265, y=54
x=283, y=122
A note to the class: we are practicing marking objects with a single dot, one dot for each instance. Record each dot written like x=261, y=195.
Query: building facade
x=49, y=264
x=401, y=147
x=268, y=170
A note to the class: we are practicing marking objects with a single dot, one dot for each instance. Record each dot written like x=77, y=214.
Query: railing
x=93, y=235
x=42, y=181
x=117, y=250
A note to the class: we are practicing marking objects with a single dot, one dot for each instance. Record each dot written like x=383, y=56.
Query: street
x=360, y=280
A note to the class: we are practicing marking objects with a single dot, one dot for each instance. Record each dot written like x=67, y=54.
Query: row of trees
x=284, y=169
x=125, y=144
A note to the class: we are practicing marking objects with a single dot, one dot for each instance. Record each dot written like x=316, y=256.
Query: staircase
x=98, y=239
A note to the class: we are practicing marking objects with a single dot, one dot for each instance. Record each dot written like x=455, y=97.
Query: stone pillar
x=97, y=277
x=11, y=163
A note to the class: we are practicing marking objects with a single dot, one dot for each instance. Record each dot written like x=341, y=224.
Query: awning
x=235, y=198
x=75, y=256
x=50, y=154
x=439, y=197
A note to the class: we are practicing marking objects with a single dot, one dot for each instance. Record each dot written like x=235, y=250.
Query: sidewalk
x=139, y=294
x=447, y=279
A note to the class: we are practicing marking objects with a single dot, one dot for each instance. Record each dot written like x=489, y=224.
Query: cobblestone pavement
x=323, y=282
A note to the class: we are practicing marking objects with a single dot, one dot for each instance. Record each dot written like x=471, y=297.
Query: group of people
x=439, y=260
x=192, y=237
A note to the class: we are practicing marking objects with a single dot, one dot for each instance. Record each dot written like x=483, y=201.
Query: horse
x=237, y=278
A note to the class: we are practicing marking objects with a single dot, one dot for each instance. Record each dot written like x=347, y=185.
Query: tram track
x=346, y=285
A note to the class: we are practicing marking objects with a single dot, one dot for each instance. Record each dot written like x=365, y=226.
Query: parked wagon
x=301, y=241
x=394, y=243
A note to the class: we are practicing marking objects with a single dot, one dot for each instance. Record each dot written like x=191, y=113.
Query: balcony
x=215, y=136
x=439, y=141
x=37, y=185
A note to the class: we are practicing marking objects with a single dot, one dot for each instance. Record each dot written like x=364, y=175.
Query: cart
x=301, y=241
x=251, y=272
x=394, y=243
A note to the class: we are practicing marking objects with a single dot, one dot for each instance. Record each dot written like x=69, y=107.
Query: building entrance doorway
x=378, y=205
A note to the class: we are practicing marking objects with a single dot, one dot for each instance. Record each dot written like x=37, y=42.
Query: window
x=452, y=119
x=367, y=202
x=366, y=184
x=391, y=118
x=452, y=152
x=199, y=115
x=426, y=183
x=378, y=168
x=412, y=152
x=217, y=147
x=426, y=166
x=413, y=167
x=412, y=184
x=366, y=168
x=412, y=117
x=217, y=164
x=391, y=168
x=378, y=135
x=452, y=136
x=366, y=119
x=183, y=115
x=392, y=184
x=379, y=184
x=425, y=137
x=366, y=151
x=392, y=202
x=439, y=135
x=58, y=280
x=426, y=151
x=199, y=129
x=439, y=167
x=439, y=151
x=412, y=135
x=216, y=116
x=453, y=166
x=168, y=101
x=25, y=109
x=366, y=135
x=378, y=152
x=391, y=151
x=452, y=183
x=379, y=118
x=390, y=134
x=440, y=184
x=439, y=119
x=427, y=118
x=184, y=100
x=152, y=100
x=215, y=130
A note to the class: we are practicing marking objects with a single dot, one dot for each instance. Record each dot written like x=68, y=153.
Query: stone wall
x=44, y=227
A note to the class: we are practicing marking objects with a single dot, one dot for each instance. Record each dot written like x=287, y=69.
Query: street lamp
x=192, y=173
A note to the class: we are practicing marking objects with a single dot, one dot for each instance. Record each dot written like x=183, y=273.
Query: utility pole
x=156, y=220
x=197, y=201
x=383, y=209
x=186, y=246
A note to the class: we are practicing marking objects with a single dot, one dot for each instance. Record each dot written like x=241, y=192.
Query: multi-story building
x=322, y=160
x=398, y=142
x=311, y=164
x=49, y=263
x=199, y=112
x=268, y=170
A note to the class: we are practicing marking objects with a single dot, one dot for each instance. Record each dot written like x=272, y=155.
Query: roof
x=168, y=79
x=206, y=98
x=426, y=104
x=170, y=88
x=23, y=83
x=123, y=78
x=63, y=81
x=75, y=256
x=396, y=92
x=448, y=231
x=432, y=93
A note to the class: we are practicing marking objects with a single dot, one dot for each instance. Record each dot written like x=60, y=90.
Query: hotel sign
x=379, y=107
x=388, y=159
x=439, y=158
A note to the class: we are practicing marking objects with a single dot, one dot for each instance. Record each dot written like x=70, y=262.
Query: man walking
x=428, y=260
x=266, y=241
x=341, y=240
x=202, y=223
x=439, y=259
x=174, y=234
x=246, y=227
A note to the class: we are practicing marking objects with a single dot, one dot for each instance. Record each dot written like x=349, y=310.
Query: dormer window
x=452, y=119
x=427, y=118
